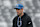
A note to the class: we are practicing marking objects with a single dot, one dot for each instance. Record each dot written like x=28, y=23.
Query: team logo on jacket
x=29, y=22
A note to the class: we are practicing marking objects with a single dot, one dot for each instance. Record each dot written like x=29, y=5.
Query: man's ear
x=22, y=8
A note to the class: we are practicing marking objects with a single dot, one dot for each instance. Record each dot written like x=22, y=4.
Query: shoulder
x=27, y=16
x=14, y=18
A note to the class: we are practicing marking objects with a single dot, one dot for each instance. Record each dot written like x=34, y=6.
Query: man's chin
x=18, y=14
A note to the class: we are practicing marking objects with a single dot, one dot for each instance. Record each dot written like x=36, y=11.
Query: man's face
x=19, y=11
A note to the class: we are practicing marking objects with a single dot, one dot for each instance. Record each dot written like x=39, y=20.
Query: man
x=22, y=19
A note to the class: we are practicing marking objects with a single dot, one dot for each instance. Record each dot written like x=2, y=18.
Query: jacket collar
x=23, y=15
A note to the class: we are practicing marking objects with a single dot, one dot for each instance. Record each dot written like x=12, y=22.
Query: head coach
x=22, y=19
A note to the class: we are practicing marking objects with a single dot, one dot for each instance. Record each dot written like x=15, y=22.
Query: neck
x=21, y=15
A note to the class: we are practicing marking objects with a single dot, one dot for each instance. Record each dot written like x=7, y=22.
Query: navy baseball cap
x=19, y=6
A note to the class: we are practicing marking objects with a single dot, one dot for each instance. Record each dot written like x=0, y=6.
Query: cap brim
x=15, y=8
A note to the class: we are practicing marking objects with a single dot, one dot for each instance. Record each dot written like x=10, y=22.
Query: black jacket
x=26, y=21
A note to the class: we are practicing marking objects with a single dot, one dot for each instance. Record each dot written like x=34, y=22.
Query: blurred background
x=7, y=11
